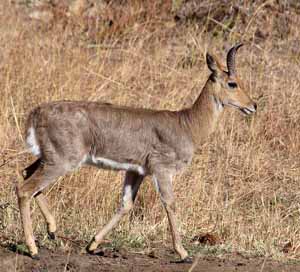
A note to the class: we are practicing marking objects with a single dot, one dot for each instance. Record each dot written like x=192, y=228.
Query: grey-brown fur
x=144, y=142
x=69, y=130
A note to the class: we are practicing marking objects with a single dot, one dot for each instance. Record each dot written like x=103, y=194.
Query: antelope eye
x=232, y=85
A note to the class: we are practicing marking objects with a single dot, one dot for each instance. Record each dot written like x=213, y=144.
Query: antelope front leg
x=131, y=186
x=164, y=186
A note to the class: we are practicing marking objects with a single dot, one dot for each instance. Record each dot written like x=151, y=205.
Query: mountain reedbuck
x=68, y=134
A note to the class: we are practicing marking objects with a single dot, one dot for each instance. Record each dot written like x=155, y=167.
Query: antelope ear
x=211, y=63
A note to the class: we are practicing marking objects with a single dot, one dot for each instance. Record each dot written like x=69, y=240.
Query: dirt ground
x=117, y=260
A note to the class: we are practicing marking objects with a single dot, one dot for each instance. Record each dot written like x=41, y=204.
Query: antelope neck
x=202, y=118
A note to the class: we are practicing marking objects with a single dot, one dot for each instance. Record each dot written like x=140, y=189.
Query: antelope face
x=228, y=90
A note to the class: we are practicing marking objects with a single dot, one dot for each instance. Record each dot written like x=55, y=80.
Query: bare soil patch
x=121, y=260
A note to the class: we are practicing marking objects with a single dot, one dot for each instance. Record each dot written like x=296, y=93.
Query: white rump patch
x=110, y=164
x=32, y=142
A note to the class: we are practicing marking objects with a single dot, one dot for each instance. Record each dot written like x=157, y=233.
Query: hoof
x=35, y=257
x=92, y=247
x=51, y=235
x=97, y=252
x=187, y=260
x=92, y=252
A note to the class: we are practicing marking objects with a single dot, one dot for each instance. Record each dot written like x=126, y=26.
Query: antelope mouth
x=247, y=111
x=244, y=110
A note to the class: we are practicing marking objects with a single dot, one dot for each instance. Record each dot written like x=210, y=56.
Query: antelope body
x=66, y=135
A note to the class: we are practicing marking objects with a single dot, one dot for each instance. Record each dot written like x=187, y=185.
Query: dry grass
x=242, y=185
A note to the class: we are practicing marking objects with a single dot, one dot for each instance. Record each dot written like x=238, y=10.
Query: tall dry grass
x=243, y=183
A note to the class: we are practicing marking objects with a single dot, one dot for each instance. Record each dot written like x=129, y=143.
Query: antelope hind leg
x=38, y=180
x=41, y=199
x=50, y=220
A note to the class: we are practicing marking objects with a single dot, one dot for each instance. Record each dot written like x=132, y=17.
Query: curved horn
x=231, y=59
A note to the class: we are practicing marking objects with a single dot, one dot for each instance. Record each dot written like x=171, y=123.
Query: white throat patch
x=218, y=104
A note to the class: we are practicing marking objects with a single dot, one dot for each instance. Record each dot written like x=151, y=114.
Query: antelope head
x=228, y=90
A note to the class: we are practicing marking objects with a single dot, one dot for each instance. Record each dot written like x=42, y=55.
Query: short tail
x=31, y=139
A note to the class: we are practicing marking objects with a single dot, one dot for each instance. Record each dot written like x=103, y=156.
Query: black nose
x=255, y=106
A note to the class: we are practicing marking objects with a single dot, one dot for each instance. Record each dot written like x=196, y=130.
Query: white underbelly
x=114, y=165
